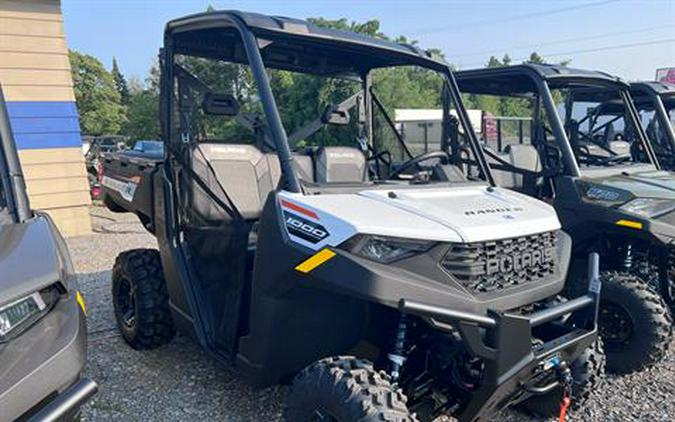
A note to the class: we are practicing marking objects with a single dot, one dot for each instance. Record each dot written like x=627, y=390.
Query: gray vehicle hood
x=29, y=259
x=641, y=184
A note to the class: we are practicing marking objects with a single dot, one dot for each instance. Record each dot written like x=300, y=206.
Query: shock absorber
x=397, y=356
x=628, y=260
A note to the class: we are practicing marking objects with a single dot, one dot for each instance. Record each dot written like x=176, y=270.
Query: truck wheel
x=111, y=205
x=345, y=388
x=141, y=300
x=634, y=322
x=587, y=370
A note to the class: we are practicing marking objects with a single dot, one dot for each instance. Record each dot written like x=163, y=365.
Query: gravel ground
x=180, y=382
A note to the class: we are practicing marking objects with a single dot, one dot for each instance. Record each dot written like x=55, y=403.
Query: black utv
x=655, y=104
x=43, y=331
x=380, y=291
x=602, y=176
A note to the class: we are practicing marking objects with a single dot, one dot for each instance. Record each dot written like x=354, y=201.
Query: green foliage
x=120, y=83
x=142, y=112
x=98, y=101
x=302, y=98
x=535, y=58
x=504, y=106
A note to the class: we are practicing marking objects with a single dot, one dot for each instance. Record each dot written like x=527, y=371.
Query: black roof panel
x=356, y=49
x=660, y=88
x=521, y=79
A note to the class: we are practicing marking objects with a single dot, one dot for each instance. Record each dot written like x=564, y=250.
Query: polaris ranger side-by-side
x=655, y=104
x=381, y=291
x=43, y=332
x=608, y=190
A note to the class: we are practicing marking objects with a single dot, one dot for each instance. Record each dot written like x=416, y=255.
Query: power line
x=593, y=50
x=448, y=28
x=563, y=41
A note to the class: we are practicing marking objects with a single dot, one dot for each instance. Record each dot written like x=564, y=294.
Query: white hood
x=448, y=214
x=475, y=213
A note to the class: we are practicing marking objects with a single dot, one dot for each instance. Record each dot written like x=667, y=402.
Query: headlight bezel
x=648, y=207
x=385, y=249
x=40, y=303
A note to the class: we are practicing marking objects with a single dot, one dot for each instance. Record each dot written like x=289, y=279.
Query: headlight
x=20, y=314
x=385, y=249
x=649, y=207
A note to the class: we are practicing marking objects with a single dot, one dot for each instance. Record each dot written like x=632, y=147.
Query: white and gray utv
x=380, y=291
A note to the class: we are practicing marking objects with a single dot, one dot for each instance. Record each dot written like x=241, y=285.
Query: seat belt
x=231, y=210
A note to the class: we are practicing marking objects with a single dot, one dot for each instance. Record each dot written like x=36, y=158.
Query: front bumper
x=43, y=365
x=506, y=344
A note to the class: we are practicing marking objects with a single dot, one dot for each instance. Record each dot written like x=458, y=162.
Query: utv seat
x=522, y=156
x=620, y=147
x=339, y=164
x=502, y=178
x=242, y=170
x=304, y=168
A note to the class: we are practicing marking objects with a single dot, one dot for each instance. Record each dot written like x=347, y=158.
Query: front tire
x=588, y=371
x=634, y=323
x=141, y=300
x=345, y=388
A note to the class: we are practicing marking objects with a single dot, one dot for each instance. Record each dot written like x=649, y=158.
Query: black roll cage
x=11, y=176
x=645, y=90
x=256, y=32
x=542, y=78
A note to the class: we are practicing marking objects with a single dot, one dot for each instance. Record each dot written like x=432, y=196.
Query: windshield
x=148, y=146
x=669, y=104
x=390, y=126
x=601, y=130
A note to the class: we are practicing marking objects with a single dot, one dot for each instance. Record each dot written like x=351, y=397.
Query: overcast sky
x=630, y=38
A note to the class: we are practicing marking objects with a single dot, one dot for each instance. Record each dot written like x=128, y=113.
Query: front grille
x=484, y=267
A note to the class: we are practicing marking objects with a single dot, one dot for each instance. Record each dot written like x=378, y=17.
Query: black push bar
x=536, y=319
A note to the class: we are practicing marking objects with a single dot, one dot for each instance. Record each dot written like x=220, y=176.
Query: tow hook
x=566, y=381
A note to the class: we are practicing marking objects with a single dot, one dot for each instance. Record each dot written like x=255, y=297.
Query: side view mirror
x=220, y=104
x=335, y=116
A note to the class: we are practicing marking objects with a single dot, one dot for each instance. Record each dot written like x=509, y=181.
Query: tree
x=493, y=62
x=535, y=59
x=301, y=98
x=98, y=101
x=120, y=83
x=143, y=112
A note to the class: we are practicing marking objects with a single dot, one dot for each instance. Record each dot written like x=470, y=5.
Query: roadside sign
x=666, y=74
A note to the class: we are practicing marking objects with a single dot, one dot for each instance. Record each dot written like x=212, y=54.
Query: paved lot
x=179, y=382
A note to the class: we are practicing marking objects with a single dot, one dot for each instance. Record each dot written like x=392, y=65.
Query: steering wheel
x=603, y=161
x=441, y=155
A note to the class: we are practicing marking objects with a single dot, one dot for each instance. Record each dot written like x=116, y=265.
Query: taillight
x=99, y=172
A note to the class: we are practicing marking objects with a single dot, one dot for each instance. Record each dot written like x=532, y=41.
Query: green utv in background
x=608, y=190
x=42, y=314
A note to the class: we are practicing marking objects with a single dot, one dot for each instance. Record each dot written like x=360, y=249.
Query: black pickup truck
x=126, y=183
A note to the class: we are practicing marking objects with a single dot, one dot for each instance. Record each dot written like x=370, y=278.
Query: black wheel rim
x=616, y=325
x=126, y=303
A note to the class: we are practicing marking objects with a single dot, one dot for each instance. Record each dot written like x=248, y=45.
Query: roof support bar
x=13, y=177
x=557, y=127
x=289, y=179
